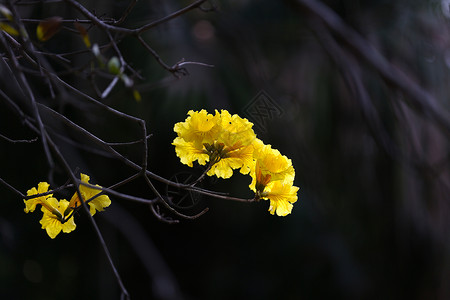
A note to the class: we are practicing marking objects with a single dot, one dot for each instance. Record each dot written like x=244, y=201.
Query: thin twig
x=126, y=12
x=130, y=143
x=12, y=188
x=18, y=141
x=173, y=15
x=26, y=87
x=94, y=224
x=174, y=71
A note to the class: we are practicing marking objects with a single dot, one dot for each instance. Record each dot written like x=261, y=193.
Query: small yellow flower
x=235, y=129
x=199, y=128
x=281, y=196
x=234, y=157
x=270, y=162
x=30, y=205
x=237, y=136
x=95, y=204
x=51, y=222
x=273, y=178
x=223, y=140
x=188, y=153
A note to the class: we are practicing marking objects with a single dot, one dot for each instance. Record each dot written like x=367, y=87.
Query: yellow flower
x=98, y=203
x=223, y=140
x=273, y=178
x=237, y=136
x=228, y=142
x=234, y=157
x=199, y=128
x=270, y=162
x=281, y=196
x=30, y=205
x=235, y=129
x=188, y=153
x=51, y=222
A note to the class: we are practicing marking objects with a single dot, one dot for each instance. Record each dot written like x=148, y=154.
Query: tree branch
x=420, y=99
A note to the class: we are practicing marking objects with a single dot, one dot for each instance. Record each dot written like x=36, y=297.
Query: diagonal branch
x=420, y=99
x=26, y=87
x=173, y=15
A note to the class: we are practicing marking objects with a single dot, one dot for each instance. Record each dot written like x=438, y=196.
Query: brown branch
x=173, y=15
x=126, y=12
x=66, y=166
x=97, y=21
x=20, y=77
x=21, y=195
x=175, y=70
x=23, y=60
x=136, y=31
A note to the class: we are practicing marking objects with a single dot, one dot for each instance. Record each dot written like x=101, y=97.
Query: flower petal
x=52, y=225
x=188, y=152
x=281, y=196
x=30, y=204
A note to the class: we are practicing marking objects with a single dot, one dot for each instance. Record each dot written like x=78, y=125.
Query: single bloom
x=235, y=129
x=30, y=205
x=199, y=128
x=238, y=137
x=273, y=178
x=234, y=157
x=281, y=196
x=88, y=193
x=52, y=223
x=223, y=140
x=271, y=162
x=188, y=152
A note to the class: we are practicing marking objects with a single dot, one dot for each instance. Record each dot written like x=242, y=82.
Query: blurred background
x=372, y=219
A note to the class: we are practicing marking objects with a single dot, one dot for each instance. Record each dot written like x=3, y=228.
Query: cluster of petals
x=223, y=140
x=228, y=142
x=58, y=214
x=273, y=178
x=89, y=195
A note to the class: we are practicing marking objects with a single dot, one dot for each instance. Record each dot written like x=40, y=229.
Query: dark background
x=372, y=218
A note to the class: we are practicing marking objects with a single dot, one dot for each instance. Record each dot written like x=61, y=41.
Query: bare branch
x=16, y=191
x=178, y=13
x=126, y=12
x=419, y=98
x=18, y=141
x=24, y=84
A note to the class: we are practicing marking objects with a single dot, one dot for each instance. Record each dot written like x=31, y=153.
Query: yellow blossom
x=234, y=158
x=281, y=196
x=228, y=142
x=270, y=162
x=223, y=140
x=237, y=136
x=88, y=194
x=30, y=205
x=52, y=222
x=199, y=128
x=273, y=177
x=188, y=153
x=235, y=129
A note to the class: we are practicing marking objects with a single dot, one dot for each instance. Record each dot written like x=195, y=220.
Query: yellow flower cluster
x=58, y=215
x=228, y=142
